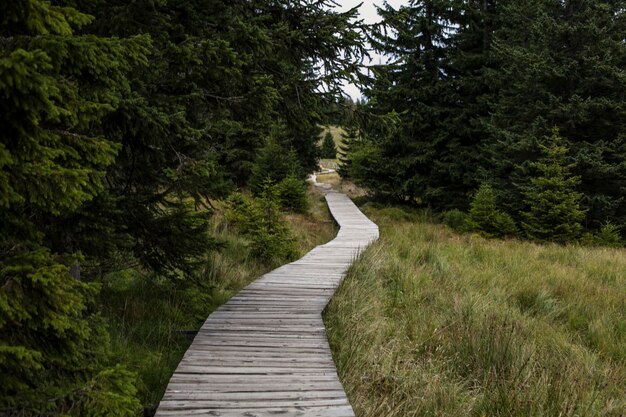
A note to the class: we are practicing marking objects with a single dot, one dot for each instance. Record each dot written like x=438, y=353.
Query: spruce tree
x=274, y=164
x=436, y=84
x=349, y=142
x=485, y=217
x=554, y=212
x=561, y=64
x=57, y=87
x=222, y=76
x=328, y=151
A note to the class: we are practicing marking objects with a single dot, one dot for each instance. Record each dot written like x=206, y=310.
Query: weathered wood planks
x=264, y=353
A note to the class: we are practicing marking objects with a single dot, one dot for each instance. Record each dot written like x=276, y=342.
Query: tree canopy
x=476, y=86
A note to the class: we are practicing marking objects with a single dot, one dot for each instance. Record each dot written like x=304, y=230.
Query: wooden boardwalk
x=265, y=353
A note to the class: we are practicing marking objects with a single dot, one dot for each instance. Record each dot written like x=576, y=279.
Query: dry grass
x=329, y=163
x=316, y=227
x=342, y=185
x=331, y=178
x=432, y=323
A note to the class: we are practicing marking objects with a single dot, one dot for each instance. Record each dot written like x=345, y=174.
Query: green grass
x=152, y=320
x=432, y=323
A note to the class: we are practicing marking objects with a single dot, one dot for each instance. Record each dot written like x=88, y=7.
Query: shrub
x=291, y=193
x=111, y=392
x=485, y=217
x=260, y=220
x=457, y=220
x=274, y=164
x=608, y=235
x=505, y=224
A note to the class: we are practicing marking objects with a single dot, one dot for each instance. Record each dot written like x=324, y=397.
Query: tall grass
x=432, y=323
x=152, y=320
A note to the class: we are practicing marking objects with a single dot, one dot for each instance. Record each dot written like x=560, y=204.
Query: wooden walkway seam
x=265, y=352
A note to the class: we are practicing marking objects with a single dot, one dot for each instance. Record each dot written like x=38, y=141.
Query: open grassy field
x=152, y=321
x=432, y=323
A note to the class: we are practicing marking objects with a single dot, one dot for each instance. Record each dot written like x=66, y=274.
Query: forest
x=153, y=158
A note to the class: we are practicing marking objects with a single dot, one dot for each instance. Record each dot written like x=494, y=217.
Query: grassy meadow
x=153, y=321
x=432, y=323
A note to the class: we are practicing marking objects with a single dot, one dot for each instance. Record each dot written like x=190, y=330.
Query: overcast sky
x=368, y=13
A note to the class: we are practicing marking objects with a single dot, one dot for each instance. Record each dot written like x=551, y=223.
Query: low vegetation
x=430, y=322
x=152, y=321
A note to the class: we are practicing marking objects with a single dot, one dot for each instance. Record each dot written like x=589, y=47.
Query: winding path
x=265, y=353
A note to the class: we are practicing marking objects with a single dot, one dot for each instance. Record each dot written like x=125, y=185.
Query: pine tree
x=56, y=87
x=349, y=142
x=485, y=217
x=437, y=86
x=274, y=164
x=561, y=64
x=554, y=212
x=328, y=151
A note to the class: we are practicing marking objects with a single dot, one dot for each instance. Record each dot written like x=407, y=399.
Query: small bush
x=485, y=217
x=291, y=193
x=110, y=393
x=504, y=224
x=457, y=220
x=608, y=235
x=260, y=221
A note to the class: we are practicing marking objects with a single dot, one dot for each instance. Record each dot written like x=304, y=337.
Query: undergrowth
x=152, y=320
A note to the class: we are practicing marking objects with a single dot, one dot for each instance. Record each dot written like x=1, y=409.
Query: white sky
x=369, y=15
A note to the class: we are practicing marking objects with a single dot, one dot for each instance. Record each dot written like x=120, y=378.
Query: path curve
x=265, y=353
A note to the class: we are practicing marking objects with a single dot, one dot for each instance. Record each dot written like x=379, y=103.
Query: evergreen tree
x=607, y=235
x=222, y=77
x=349, y=142
x=56, y=89
x=485, y=217
x=329, y=151
x=274, y=164
x=554, y=212
x=261, y=221
x=474, y=83
x=561, y=64
x=436, y=84
x=291, y=193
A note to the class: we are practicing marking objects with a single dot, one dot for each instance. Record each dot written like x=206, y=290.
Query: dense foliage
x=348, y=146
x=329, y=150
x=120, y=123
x=476, y=86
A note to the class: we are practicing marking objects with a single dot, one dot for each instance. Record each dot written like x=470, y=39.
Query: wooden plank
x=264, y=353
x=343, y=411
